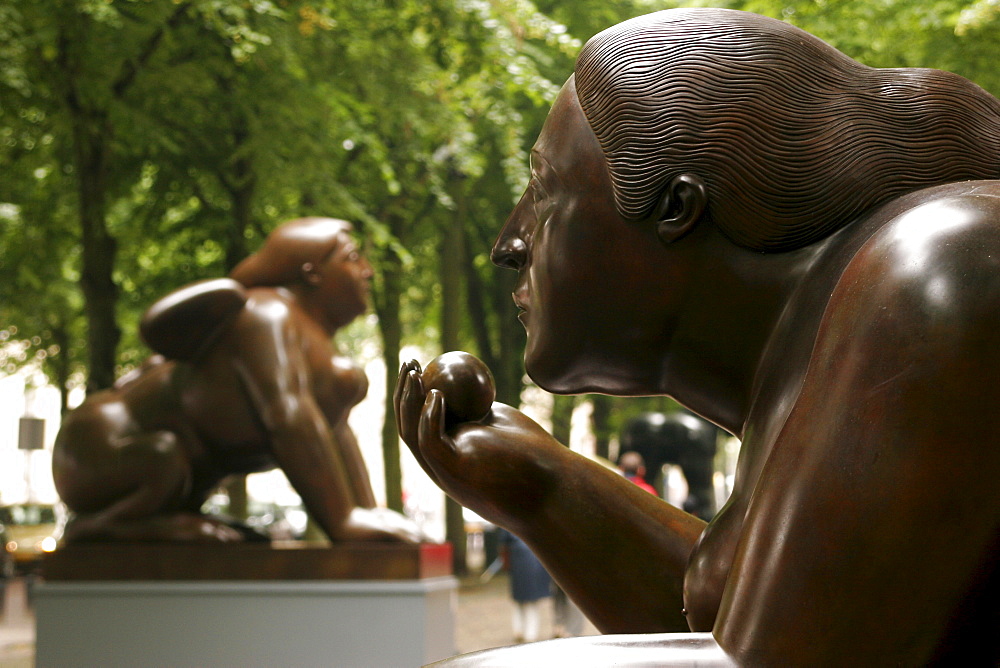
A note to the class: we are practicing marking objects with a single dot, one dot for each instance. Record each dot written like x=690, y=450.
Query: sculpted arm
x=617, y=550
x=276, y=375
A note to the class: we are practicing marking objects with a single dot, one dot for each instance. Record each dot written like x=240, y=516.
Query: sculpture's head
x=793, y=138
x=318, y=259
x=694, y=118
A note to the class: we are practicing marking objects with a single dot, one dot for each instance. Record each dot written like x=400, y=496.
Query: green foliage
x=961, y=36
x=212, y=121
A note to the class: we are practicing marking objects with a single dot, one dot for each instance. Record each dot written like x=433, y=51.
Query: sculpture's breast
x=339, y=386
x=709, y=566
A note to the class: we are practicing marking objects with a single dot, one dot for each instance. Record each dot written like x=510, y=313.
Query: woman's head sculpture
x=289, y=248
x=792, y=138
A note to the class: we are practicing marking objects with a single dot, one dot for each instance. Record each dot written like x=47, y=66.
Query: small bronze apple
x=466, y=383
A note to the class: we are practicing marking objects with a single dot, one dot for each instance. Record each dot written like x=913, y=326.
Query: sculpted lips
x=521, y=302
x=520, y=296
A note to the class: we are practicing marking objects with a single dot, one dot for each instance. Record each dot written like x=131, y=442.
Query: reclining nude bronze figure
x=806, y=251
x=247, y=380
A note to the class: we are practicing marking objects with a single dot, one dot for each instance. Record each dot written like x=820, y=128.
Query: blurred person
x=567, y=618
x=529, y=585
x=633, y=467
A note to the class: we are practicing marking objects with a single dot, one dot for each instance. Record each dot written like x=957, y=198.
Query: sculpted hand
x=501, y=466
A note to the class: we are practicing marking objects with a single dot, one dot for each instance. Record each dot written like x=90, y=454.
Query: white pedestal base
x=375, y=623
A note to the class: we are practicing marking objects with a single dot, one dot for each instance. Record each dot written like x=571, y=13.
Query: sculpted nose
x=510, y=250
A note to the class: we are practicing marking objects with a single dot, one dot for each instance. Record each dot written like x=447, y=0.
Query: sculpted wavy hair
x=289, y=246
x=793, y=138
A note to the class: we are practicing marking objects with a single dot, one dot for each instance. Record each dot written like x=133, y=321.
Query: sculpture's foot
x=247, y=533
x=380, y=524
x=179, y=527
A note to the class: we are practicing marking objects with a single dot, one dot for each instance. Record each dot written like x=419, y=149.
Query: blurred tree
x=444, y=139
x=86, y=66
x=961, y=36
x=82, y=67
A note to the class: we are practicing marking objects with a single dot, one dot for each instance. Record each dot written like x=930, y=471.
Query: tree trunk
x=501, y=346
x=239, y=500
x=602, y=430
x=61, y=364
x=509, y=373
x=562, y=417
x=92, y=137
x=391, y=328
x=475, y=304
x=451, y=260
x=241, y=189
x=99, y=251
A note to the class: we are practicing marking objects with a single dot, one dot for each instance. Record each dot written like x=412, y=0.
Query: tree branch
x=131, y=67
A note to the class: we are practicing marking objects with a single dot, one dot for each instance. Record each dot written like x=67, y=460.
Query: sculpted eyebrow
x=541, y=169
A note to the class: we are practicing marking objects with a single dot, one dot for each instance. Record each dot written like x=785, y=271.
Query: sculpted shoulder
x=267, y=306
x=896, y=400
x=916, y=307
x=938, y=258
x=274, y=320
x=271, y=315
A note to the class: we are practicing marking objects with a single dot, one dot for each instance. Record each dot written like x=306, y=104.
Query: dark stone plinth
x=247, y=561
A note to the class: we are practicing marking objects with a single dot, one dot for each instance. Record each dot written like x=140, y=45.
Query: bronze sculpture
x=805, y=251
x=252, y=382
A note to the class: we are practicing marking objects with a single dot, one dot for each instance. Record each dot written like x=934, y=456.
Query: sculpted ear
x=680, y=207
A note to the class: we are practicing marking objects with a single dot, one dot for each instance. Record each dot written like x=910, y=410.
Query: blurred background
x=146, y=144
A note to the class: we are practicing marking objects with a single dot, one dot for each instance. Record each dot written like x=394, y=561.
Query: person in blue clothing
x=529, y=584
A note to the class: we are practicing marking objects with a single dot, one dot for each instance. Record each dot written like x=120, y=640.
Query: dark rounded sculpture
x=247, y=379
x=679, y=438
x=467, y=385
x=806, y=252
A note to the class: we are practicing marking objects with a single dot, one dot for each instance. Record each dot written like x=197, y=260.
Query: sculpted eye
x=540, y=201
x=351, y=253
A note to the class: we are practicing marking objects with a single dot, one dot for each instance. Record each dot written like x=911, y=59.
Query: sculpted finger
x=397, y=396
x=408, y=407
x=404, y=371
x=436, y=447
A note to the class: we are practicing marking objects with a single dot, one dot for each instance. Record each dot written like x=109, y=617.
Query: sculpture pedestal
x=246, y=605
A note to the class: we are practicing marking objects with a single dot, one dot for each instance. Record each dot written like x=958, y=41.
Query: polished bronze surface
x=247, y=379
x=467, y=383
x=805, y=251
